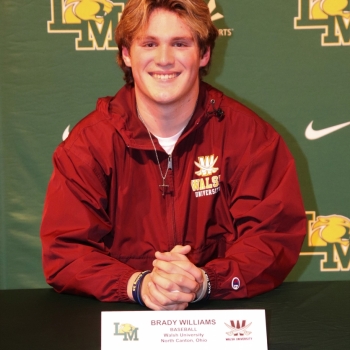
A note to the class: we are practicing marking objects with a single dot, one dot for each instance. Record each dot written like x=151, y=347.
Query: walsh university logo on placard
x=93, y=22
x=330, y=16
x=238, y=331
x=328, y=237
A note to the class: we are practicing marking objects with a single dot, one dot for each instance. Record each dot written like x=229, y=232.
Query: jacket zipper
x=171, y=199
x=170, y=162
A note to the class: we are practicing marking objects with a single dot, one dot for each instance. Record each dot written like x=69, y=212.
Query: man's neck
x=166, y=120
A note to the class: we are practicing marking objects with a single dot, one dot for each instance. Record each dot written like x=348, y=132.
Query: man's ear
x=126, y=56
x=205, y=58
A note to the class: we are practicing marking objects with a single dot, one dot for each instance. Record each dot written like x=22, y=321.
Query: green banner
x=286, y=60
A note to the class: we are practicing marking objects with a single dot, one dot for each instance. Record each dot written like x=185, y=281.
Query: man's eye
x=179, y=44
x=149, y=44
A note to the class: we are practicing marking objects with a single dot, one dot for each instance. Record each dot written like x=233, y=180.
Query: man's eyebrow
x=177, y=38
x=145, y=37
x=183, y=38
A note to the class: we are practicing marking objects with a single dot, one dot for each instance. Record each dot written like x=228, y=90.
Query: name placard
x=185, y=330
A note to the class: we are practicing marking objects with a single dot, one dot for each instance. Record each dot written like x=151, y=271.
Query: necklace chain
x=163, y=186
x=155, y=151
x=154, y=147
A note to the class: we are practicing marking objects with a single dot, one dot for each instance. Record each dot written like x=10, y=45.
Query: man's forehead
x=151, y=29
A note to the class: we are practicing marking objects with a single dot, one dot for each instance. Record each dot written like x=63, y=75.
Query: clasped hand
x=173, y=282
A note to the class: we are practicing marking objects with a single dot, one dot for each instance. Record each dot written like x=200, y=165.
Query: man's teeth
x=165, y=76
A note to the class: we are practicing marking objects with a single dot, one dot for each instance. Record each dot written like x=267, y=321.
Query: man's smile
x=164, y=77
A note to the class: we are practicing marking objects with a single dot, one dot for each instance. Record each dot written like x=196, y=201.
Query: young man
x=170, y=192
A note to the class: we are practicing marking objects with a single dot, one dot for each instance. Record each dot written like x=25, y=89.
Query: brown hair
x=135, y=17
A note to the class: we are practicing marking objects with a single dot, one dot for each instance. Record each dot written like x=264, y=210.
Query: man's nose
x=165, y=55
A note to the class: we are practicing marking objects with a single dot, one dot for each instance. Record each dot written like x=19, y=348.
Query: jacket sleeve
x=75, y=231
x=269, y=224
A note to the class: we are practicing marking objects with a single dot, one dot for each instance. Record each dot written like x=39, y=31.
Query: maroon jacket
x=233, y=196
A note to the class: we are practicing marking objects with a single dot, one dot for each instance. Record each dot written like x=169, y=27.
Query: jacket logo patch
x=206, y=165
x=208, y=184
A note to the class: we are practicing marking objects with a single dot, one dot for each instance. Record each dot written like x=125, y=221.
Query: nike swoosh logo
x=312, y=134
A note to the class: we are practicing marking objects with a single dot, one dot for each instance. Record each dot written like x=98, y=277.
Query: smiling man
x=165, y=61
x=170, y=192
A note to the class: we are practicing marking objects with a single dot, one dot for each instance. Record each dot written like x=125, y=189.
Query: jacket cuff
x=212, y=278
x=122, y=285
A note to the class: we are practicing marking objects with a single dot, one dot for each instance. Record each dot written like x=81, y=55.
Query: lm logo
x=328, y=236
x=93, y=20
x=333, y=16
x=126, y=330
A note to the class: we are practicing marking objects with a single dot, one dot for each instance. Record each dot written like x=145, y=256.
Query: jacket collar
x=121, y=110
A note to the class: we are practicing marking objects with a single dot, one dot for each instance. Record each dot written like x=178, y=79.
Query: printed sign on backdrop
x=94, y=21
x=328, y=237
x=331, y=16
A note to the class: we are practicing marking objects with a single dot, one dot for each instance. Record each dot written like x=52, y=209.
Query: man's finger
x=172, y=282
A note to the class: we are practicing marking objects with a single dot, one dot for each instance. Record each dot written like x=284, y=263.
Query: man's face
x=165, y=61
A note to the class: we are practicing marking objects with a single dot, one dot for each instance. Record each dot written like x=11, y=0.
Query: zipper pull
x=170, y=162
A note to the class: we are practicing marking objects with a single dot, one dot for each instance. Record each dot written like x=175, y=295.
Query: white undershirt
x=168, y=143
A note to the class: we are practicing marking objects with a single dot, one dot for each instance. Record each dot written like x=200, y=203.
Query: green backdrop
x=287, y=60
